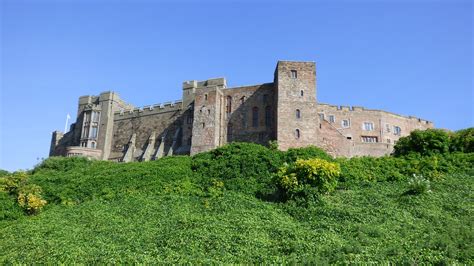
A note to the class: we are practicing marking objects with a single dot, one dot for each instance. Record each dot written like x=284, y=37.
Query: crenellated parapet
x=154, y=109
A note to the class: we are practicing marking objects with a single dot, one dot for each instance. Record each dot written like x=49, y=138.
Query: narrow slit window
x=297, y=133
x=255, y=117
x=298, y=114
x=294, y=74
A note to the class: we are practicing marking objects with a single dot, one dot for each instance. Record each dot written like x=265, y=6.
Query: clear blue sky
x=408, y=57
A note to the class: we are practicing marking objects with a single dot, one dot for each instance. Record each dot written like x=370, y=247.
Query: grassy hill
x=223, y=207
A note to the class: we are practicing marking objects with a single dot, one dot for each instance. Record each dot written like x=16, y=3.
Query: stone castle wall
x=210, y=115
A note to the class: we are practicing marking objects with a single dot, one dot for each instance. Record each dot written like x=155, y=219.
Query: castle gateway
x=210, y=115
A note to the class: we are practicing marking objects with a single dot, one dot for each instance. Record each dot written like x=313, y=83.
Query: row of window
x=367, y=126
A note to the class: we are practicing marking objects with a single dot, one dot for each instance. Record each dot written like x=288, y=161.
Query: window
x=203, y=125
x=265, y=98
x=95, y=116
x=268, y=116
x=301, y=93
x=208, y=111
x=87, y=117
x=387, y=128
x=242, y=100
x=244, y=119
x=229, y=132
x=84, y=144
x=332, y=119
x=368, y=126
x=397, y=130
x=93, y=145
x=228, y=104
x=205, y=97
x=94, y=132
x=298, y=114
x=297, y=133
x=345, y=123
x=294, y=74
x=255, y=117
x=321, y=116
x=85, y=132
x=369, y=139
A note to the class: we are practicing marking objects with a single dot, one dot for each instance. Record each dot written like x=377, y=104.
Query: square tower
x=297, y=118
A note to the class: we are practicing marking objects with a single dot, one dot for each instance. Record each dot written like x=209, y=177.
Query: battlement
x=219, y=82
x=148, y=110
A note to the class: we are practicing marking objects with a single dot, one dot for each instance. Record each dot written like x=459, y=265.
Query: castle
x=211, y=115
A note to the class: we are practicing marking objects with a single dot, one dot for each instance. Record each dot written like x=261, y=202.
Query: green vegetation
x=235, y=204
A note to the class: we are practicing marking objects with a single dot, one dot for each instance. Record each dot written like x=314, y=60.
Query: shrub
x=423, y=142
x=418, y=185
x=29, y=198
x=245, y=167
x=316, y=175
x=28, y=195
x=463, y=140
x=305, y=153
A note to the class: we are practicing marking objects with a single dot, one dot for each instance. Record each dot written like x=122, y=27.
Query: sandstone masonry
x=211, y=115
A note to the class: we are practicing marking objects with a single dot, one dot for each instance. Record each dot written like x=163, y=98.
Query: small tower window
x=297, y=133
x=205, y=96
x=229, y=132
x=294, y=74
x=298, y=114
x=203, y=125
x=301, y=93
x=268, y=116
x=242, y=100
x=229, y=104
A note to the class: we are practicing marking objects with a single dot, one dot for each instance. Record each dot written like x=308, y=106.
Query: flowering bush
x=312, y=174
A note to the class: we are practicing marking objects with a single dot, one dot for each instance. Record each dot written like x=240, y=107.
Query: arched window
x=268, y=116
x=298, y=114
x=297, y=133
x=229, y=104
x=255, y=117
x=205, y=97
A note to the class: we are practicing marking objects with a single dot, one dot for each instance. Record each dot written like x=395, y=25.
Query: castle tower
x=208, y=115
x=297, y=118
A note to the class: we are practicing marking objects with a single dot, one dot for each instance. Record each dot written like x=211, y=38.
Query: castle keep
x=210, y=115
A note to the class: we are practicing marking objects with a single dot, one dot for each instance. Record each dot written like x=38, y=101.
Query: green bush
x=316, y=175
x=423, y=142
x=245, y=167
x=463, y=140
x=305, y=153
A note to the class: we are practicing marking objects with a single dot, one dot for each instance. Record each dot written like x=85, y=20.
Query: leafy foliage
x=463, y=140
x=307, y=175
x=423, y=142
x=28, y=195
x=305, y=153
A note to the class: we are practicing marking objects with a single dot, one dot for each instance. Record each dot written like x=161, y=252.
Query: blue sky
x=408, y=57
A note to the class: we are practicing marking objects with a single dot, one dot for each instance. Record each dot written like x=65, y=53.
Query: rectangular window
x=85, y=132
x=294, y=74
x=397, y=130
x=387, y=128
x=321, y=116
x=265, y=98
x=95, y=116
x=368, y=126
x=332, y=119
x=369, y=139
x=94, y=132
x=346, y=123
